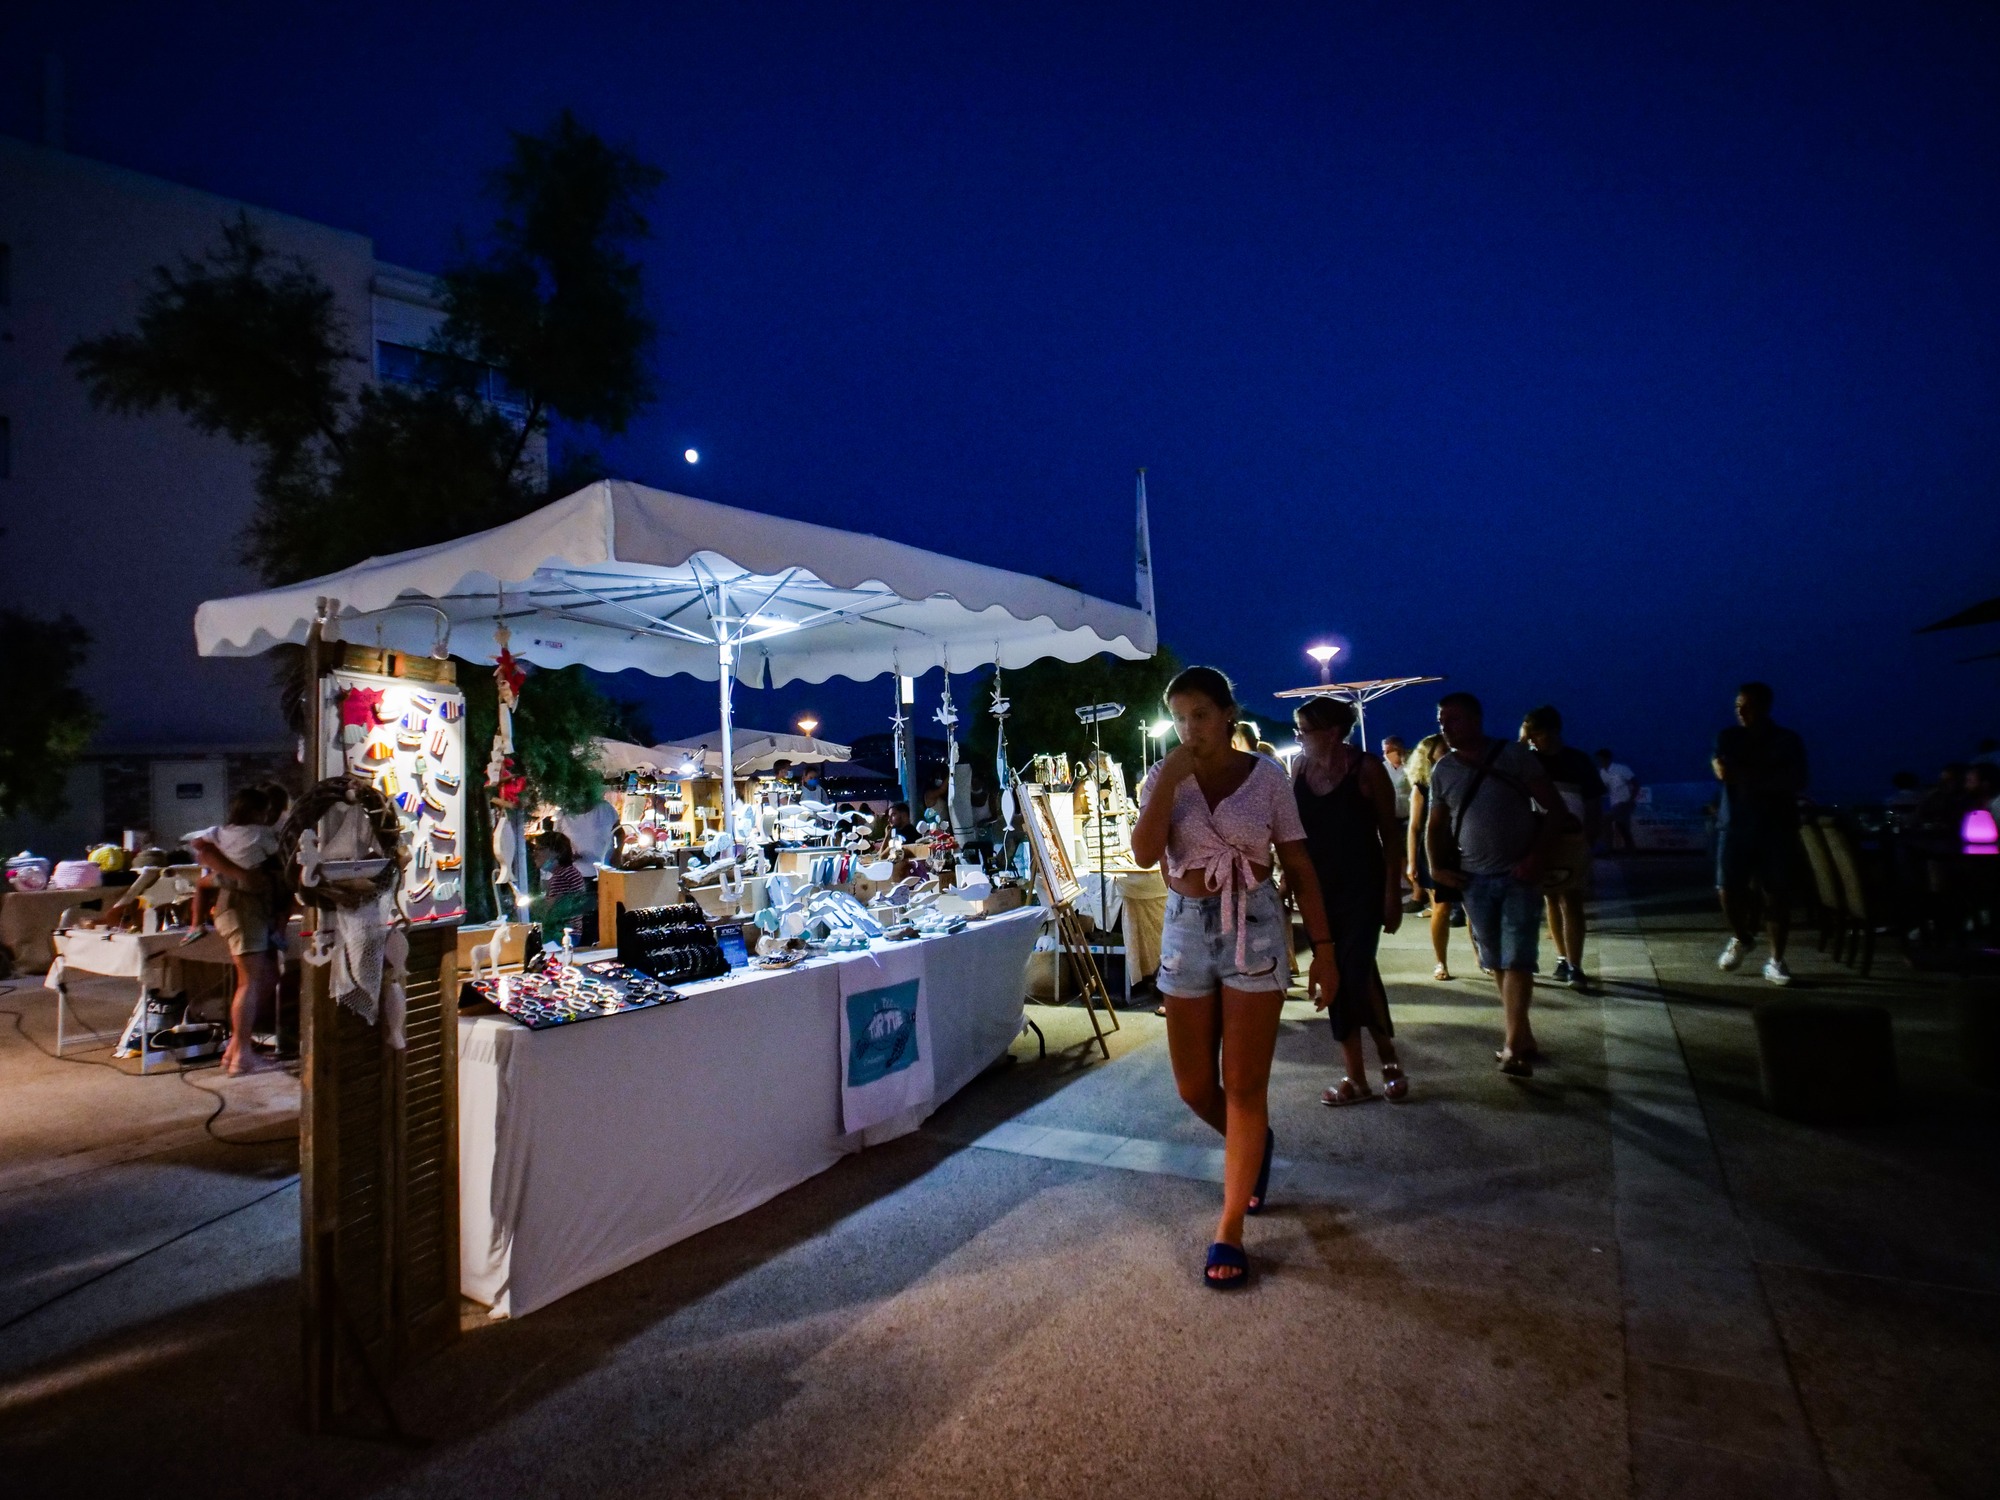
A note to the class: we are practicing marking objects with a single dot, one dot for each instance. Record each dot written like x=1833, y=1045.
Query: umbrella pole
x=728, y=752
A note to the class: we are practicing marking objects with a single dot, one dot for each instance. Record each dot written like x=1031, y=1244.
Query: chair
x=1857, y=919
x=1826, y=886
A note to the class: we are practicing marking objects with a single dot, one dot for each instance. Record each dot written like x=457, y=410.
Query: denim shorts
x=1505, y=916
x=1198, y=950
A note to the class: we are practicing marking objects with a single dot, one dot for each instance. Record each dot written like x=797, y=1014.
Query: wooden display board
x=378, y=1183
x=378, y=1126
x=632, y=889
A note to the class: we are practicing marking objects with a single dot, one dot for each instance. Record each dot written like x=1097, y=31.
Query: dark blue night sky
x=1579, y=355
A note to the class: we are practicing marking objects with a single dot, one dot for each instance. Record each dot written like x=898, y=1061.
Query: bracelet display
x=559, y=994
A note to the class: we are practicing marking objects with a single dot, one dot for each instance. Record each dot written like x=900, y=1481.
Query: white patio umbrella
x=619, y=576
x=755, y=750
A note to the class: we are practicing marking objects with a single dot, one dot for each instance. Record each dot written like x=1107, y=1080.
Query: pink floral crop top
x=1226, y=844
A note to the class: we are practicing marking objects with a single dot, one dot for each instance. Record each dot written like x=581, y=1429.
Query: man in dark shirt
x=1574, y=776
x=1762, y=768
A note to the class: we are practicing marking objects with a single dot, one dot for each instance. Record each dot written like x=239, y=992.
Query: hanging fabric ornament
x=505, y=783
x=358, y=706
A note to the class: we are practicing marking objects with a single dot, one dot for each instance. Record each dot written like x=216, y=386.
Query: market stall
x=680, y=1058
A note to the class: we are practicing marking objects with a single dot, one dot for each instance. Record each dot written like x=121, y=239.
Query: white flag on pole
x=1145, y=551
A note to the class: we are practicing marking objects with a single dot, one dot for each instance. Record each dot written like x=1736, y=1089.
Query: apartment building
x=128, y=522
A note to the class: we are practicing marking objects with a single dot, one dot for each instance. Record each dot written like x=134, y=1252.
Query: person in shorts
x=1486, y=837
x=1441, y=902
x=1222, y=818
x=1762, y=768
x=1566, y=885
x=246, y=913
x=1621, y=795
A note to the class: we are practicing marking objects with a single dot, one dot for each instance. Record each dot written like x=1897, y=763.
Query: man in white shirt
x=1393, y=755
x=1621, y=794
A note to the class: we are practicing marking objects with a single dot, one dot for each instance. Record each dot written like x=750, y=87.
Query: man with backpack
x=1493, y=815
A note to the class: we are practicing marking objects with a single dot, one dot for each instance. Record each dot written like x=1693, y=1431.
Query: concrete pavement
x=1621, y=1277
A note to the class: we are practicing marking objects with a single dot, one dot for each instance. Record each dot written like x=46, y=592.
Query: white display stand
x=586, y=1148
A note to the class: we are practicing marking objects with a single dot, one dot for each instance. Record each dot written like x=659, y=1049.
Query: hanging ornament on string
x=503, y=776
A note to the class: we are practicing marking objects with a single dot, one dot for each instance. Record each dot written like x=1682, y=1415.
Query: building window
x=403, y=364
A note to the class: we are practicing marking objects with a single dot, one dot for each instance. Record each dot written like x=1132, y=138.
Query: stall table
x=586, y=1148
x=152, y=959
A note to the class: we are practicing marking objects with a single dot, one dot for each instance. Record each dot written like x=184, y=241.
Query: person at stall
x=893, y=825
x=1347, y=805
x=565, y=895
x=1221, y=818
x=251, y=907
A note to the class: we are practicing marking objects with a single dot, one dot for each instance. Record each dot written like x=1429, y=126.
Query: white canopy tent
x=620, y=576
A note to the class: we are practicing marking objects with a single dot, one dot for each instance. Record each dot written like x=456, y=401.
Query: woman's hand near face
x=1176, y=766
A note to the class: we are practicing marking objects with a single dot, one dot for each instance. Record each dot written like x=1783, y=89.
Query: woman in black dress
x=1348, y=806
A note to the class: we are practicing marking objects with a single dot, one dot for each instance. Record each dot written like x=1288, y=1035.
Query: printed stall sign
x=885, y=1037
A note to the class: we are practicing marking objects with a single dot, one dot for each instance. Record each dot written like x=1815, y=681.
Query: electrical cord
x=182, y=1070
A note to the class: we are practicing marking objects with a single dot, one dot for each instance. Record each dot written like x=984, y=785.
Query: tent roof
x=619, y=576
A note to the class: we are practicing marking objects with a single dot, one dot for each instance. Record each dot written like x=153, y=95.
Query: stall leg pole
x=728, y=750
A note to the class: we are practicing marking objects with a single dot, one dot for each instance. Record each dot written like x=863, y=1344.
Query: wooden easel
x=1060, y=889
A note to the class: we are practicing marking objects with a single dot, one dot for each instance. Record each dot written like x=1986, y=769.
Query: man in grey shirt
x=1481, y=828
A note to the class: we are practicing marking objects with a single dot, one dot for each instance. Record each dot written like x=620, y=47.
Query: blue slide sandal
x=1226, y=1257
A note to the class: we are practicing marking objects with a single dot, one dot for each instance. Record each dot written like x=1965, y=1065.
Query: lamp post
x=807, y=724
x=1155, y=731
x=1324, y=655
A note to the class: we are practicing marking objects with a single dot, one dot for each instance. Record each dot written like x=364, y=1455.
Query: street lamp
x=807, y=724
x=1158, y=730
x=1324, y=655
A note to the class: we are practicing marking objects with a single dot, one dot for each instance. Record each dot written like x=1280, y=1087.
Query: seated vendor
x=895, y=824
x=566, y=897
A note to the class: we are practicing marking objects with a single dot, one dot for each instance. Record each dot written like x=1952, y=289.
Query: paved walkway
x=1620, y=1278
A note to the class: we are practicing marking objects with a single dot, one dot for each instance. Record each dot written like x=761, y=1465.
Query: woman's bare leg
x=1351, y=1054
x=1440, y=932
x=1249, y=1038
x=1194, y=1041
x=256, y=982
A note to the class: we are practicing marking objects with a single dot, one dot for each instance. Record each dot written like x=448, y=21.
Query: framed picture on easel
x=1060, y=886
x=1060, y=889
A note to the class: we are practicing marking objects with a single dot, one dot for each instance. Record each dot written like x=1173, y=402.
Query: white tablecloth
x=586, y=1148
x=148, y=957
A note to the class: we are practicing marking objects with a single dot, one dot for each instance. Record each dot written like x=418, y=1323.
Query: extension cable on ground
x=182, y=1070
